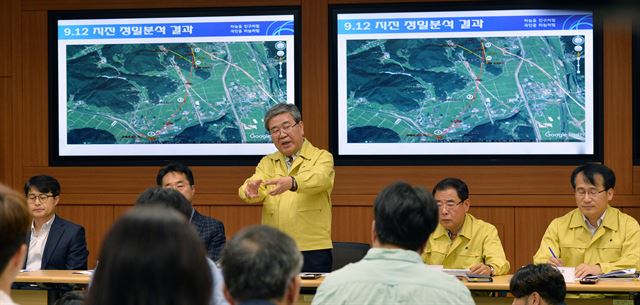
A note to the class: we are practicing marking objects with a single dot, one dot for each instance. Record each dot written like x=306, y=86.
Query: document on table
x=456, y=272
x=569, y=274
x=617, y=274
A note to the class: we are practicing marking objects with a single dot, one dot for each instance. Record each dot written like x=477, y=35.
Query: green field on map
x=214, y=92
x=493, y=89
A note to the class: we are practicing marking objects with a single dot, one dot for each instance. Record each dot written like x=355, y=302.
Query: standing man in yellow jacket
x=294, y=185
x=595, y=238
x=460, y=240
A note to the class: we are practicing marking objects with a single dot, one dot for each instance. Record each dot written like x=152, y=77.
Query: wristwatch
x=294, y=184
x=491, y=268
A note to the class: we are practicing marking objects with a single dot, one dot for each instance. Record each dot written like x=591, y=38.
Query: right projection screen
x=482, y=86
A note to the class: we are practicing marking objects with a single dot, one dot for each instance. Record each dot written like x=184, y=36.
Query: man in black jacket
x=179, y=177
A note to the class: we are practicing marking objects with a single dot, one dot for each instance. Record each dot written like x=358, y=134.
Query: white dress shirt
x=598, y=222
x=36, y=244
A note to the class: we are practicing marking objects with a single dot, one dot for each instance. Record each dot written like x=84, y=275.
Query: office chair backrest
x=347, y=252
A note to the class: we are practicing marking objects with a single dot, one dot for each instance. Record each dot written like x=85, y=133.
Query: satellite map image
x=213, y=92
x=493, y=89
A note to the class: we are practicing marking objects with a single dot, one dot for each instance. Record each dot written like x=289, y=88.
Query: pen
x=553, y=254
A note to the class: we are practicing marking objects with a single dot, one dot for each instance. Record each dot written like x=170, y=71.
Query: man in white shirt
x=392, y=272
x=54, y=243
x=14, y=225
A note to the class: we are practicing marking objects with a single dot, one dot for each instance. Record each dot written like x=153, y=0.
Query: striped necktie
x=289, y=161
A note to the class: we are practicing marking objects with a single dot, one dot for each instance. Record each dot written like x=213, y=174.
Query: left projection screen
x=178, y=85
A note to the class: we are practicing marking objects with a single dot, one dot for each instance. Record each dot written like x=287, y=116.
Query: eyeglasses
x=286, y=128
x=449, y=205
x=591, y=192
x=42, y=197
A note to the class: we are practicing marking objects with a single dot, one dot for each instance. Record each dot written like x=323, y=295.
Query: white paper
x=435, y=267
x=456, y=272
x=569, y=274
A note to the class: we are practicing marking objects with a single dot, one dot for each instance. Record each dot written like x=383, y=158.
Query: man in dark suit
x=54, y=243
x=179, y=177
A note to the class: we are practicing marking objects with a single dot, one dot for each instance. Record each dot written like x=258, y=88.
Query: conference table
x=618, y=291
x=46, y=278
x=628, y=289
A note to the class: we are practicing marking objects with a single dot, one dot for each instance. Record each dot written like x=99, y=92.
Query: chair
x=347, y=252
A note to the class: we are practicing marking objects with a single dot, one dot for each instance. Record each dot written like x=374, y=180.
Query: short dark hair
x=259, y=263
x=453, y=183
x=279, y=109
x=43, y=184
x=175, y=167
x=15, y=221
x=544, y=279
x=405, y=216
x=165, y=197
x=589, y=171
x=151, y=256
x=74, y=297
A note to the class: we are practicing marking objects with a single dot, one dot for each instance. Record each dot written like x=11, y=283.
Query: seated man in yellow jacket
x=595, y=238
x=462, y=241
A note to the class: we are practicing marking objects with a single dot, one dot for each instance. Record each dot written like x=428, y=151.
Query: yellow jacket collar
x=610, y=219
x=466, y=230
x=304, y=152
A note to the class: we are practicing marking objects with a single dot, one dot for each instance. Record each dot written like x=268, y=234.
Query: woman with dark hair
x=151, y=256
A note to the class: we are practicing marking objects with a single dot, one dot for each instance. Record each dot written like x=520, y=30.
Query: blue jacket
x=66, y=247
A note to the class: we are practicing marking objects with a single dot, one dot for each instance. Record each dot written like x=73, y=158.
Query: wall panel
x=315, y=88
x=520, y=200
x=96, y=221
x=6, y=129
x=635, y=212
x=531, y=224
x=352, y=224
x=6, y=11
x=503, y=219
x=235, y=217
x=636, y=178
x=32, y=110
x=518, y=180
x=617, y=106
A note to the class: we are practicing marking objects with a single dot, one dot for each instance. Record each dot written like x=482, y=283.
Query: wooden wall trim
x=5, y=129
x=618, y=140
x=6, y=10
x=11, y=152
x=314, y=68
x=636, y=179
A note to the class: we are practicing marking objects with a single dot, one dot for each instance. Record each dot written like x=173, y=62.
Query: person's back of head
x=543, y=282
x=15, y=221
x=151, y=256
x=71, y=298
x=261, y=263
x=404, y=216
x=157, y=196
